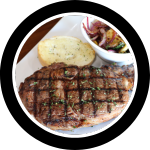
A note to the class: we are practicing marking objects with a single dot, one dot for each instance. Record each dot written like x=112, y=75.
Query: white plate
x=70, y=26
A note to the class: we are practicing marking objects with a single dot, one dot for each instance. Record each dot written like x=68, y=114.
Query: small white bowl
x=103, y=54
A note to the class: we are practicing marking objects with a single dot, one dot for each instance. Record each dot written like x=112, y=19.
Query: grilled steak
x=66, y=97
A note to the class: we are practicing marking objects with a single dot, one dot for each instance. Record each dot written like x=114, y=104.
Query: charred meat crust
x=65, y=97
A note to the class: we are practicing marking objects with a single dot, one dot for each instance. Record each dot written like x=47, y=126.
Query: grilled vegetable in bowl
x=105, y=37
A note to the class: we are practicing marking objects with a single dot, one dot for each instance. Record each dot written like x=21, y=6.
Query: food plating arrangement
x=69, y=91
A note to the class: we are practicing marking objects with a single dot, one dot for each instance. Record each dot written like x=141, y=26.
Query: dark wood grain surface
x=36, y=37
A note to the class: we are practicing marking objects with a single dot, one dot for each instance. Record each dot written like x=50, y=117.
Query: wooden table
x=36, y=37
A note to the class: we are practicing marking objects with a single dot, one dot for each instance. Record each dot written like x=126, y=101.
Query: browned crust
x=88, y=123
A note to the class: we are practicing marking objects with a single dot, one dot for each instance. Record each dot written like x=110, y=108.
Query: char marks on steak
x=65, y=97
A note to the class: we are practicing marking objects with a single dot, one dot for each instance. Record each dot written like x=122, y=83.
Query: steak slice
x=65, y=97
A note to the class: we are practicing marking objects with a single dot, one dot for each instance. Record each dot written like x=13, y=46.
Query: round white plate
x=69, y=26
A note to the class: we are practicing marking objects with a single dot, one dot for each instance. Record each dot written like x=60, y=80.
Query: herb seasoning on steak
x=65, y=97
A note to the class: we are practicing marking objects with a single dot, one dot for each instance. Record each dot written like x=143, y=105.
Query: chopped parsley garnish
x=62, y=101
x=35, y=83
x=83, y=81
x=102, y=105
x=53, y=95
x=92, y=88
x=83, y=75
x=52, y=91
x=66, y=72
x=72, y=105
x=115, y=103
x=44, y=104
x=74, y=126
x=98, y=88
